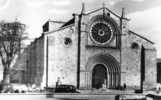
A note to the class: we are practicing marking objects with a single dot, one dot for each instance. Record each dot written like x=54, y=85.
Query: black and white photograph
x=80, y=49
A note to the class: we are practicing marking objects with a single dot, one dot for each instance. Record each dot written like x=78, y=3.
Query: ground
x=56, y=97
x=86, y=95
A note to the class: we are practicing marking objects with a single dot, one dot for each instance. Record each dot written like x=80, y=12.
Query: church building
x=94, y=49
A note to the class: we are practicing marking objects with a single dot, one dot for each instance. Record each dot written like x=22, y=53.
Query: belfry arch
x=98, y=66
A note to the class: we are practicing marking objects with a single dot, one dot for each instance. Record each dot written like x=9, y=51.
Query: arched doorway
x=106, y=68
x=99, y=76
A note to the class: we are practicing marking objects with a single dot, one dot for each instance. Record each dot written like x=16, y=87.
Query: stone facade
x=131, y=60
x=67, y=58
x=34, y=70
x=73, y=54
x=159, y=70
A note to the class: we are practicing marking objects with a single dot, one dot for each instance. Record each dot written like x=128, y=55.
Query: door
x=99, y=76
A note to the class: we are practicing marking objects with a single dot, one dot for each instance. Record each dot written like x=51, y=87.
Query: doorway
x=99, y=76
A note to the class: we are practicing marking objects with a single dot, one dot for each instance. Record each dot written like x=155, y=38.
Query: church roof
x=71, y=21
x=61, y=22
x=96, y=10
x=141, y=37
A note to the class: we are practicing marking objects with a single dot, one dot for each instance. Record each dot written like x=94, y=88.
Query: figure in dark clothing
x=58, y=82
x=124, y=86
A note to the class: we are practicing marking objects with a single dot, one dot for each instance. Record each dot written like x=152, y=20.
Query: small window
x=67, y=41
x=134, y=45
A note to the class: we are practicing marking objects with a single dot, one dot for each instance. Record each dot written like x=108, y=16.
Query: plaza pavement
x=84, y=95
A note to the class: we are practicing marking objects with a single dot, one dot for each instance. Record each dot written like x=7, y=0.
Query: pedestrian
x=58, y=82
x=158, y=87
x=124, y=86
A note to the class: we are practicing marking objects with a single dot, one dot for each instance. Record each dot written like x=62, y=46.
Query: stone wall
x=89, y=49
x=34, y=62
x=62, y=56
x=131, y=61
x=158, y=70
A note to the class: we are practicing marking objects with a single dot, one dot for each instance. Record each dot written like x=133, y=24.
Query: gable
x=141, y=37
x=136, y=38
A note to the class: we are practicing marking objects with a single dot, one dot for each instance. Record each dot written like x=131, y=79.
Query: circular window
x=101, y=32
x=67, y=41
x=134, y=45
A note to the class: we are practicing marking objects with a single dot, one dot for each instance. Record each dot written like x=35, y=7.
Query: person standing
x=58, y=82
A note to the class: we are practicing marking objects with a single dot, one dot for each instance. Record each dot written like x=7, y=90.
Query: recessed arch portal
x=107, y=65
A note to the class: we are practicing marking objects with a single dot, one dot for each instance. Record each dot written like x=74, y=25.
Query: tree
x=11, y=36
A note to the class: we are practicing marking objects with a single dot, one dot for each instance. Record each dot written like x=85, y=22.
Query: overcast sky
x=145, y=15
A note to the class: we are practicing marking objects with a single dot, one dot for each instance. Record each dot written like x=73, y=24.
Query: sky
x=145, y=15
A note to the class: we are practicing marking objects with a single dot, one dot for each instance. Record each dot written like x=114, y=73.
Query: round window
x=134, y=45
x=67, y=41
x=101, y=32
